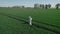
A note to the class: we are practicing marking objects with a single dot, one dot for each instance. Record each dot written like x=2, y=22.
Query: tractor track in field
x=47, y=24
x=42, y=27
x=34, y=25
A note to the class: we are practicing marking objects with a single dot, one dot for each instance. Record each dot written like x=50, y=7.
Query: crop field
x=15, y=21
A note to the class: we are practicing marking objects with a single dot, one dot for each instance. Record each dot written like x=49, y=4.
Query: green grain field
x=15, y=21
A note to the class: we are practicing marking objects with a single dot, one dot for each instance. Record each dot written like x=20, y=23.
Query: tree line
x=46, y=6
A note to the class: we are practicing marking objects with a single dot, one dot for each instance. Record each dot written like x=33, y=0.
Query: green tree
x=41, y=5
x=46, y=6
x=57, y=6
x=49, y=5
x=22, y=6
x=36, y=5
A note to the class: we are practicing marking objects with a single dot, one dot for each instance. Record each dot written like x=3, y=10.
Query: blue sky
x=27, y=2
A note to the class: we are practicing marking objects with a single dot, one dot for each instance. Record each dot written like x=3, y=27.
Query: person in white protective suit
x=30, y=20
